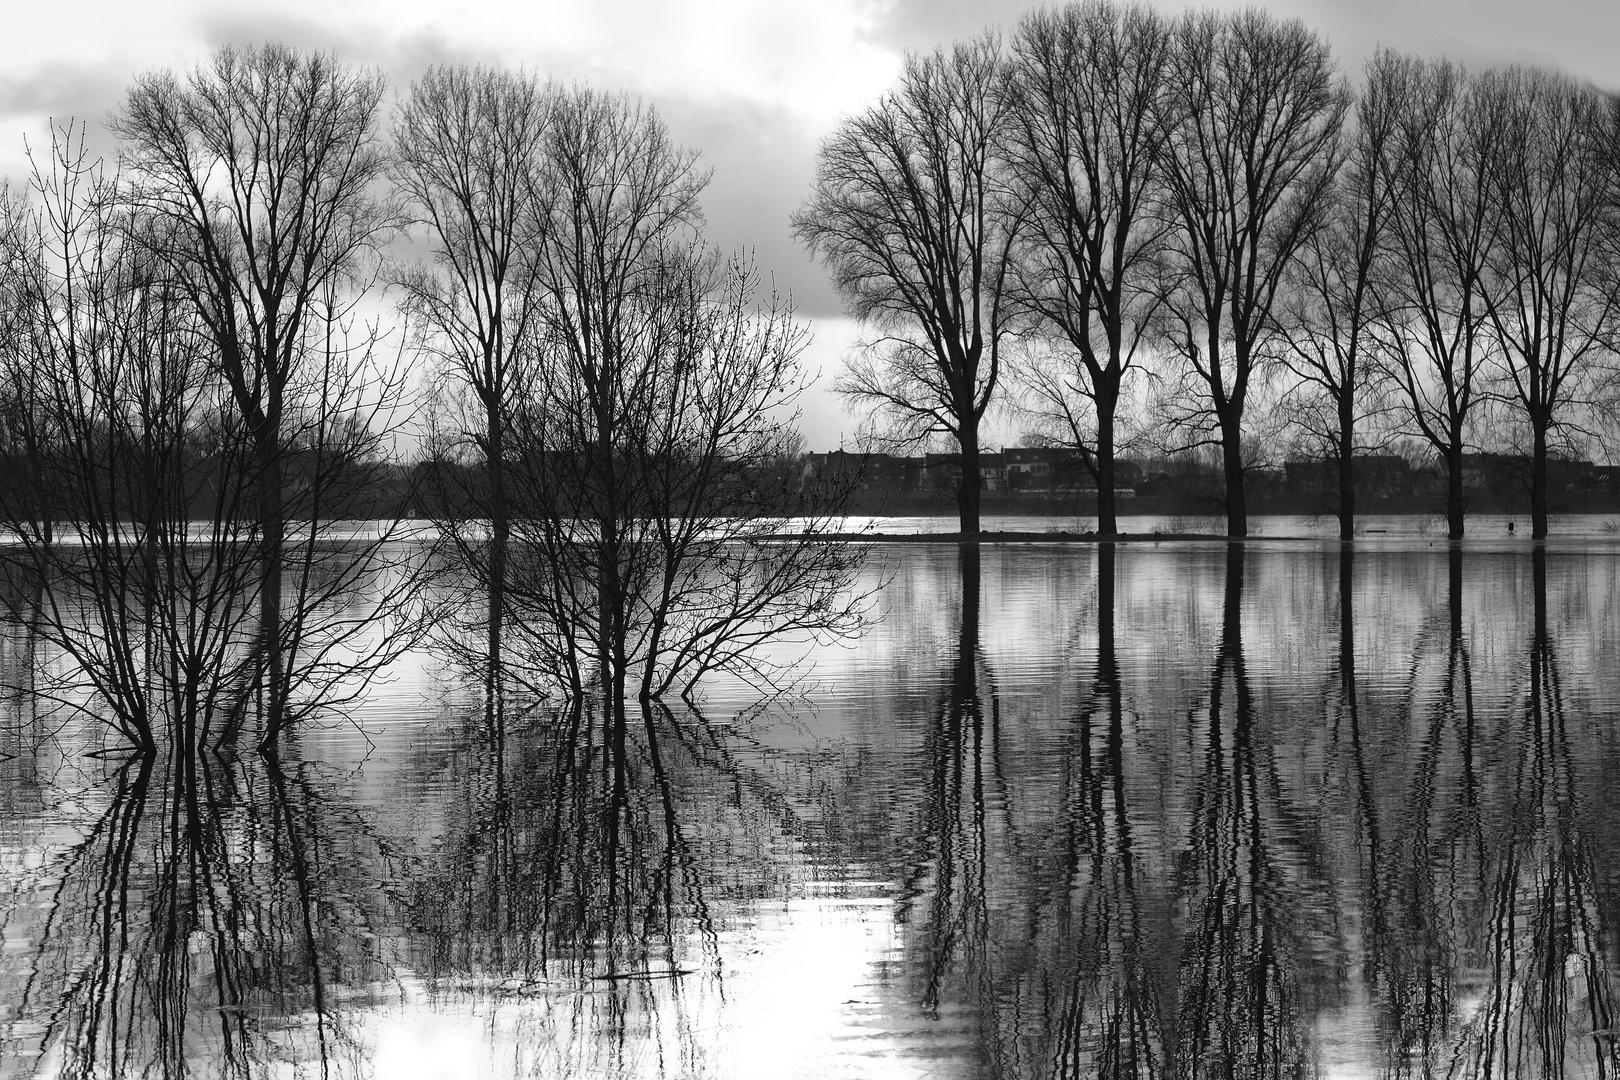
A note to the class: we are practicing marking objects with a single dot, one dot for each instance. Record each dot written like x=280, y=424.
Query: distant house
x=942, y=472
x=870, y=472
x=1374, y=475
x=992, y=471
x=1045, y=468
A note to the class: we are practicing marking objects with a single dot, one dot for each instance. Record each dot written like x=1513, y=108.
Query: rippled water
x=1151, y=809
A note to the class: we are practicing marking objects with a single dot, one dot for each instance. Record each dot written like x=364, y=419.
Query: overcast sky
x=752, y=84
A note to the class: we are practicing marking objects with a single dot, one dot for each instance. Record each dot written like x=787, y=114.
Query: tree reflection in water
x=579, y=892
x=206, y=922
x=1109, y=1024
x=1547, y=1006
x=1136, y=874
x=942, y=901
x=1438, y=845
x=1251, y=893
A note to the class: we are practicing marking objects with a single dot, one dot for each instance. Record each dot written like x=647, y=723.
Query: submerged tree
x=1083, y=155
x=1550, y=287
x=1442, y=233
x=645, y=468
x=114, y=441
x=259, y=174
x=466, y=144
x=910, y=215
x=1331, y=315
x=1252, y=117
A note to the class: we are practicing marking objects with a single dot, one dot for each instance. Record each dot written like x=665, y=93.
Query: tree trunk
x=1454, y=582
x=967, y=492
x=1347, y=628
x=1538, y=482
x=500, y=533
x=1454, y=491
x=274, y=525
x=1107, y=520
x=1237, y=515
x=1347, y=466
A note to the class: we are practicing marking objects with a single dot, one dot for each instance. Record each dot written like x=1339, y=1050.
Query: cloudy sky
x=752, y=84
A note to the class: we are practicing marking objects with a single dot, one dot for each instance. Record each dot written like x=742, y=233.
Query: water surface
x=1174, y=809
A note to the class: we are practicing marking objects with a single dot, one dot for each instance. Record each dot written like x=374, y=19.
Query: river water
x=1151, y=809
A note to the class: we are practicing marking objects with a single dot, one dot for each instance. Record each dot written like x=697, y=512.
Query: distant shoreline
x=996, y=536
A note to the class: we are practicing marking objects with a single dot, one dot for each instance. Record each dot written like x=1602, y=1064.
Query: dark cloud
x=762, y=159
x=242, y=26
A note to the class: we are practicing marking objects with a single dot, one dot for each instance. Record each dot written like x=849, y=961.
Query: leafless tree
x=1442, y=232
x=1550, y=285
x=466, y=145
x=1253, y=119
x=261, y=169
x=1083, y=152
x=1330, y=312
x=910, y=214
x=648, y=443
x=126, y=483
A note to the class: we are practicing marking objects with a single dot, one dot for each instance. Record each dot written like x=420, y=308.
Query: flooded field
x=1062, y=810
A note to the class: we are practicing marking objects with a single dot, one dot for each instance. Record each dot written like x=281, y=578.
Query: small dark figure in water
x=1510, y=528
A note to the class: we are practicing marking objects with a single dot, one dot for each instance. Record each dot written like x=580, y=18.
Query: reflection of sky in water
x=923, y=862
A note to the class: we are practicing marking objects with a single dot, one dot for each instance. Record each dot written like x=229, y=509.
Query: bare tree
x=910, y=215
x=1442, y=230
x=1550, y=286
x=1331, y=312
x=1085, y=139
x=648, y=440
x=261, y=170
x=1253, y=121
x=127, y=485
x=466, y=144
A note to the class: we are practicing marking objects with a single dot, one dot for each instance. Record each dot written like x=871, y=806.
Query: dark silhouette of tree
x=1331, y=312
x=127, y=486
x=647, y=452
x=261, y=173
x=1083, y=150
x=1550, y=289
x=910, y=215
x=1252, y=118
x=467, y=143
x=1442, y=230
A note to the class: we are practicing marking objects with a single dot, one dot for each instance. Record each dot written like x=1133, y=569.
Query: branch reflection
x=1547, y=1004
x=205, y=922
x=1110, y=1023
x=1254, y=896
x=581, y=888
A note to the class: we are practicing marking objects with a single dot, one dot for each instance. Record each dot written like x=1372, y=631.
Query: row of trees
x=191, y=405
x=1201, y=201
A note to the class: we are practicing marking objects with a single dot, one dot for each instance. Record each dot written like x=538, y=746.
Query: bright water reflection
x=1154, y=810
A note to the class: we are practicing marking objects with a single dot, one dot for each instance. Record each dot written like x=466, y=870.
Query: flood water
x=1063, y=810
